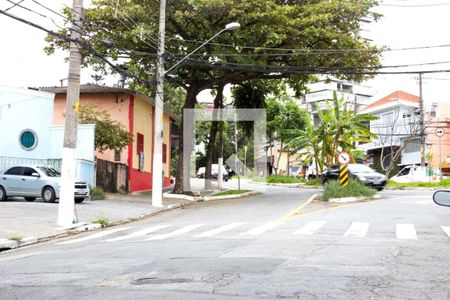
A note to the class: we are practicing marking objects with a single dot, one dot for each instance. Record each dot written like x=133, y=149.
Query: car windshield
x=357, y=168
x=50, y=172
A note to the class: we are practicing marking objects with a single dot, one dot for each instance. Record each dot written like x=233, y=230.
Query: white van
x=415, y=173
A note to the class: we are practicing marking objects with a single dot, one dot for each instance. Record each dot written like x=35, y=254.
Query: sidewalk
x=19, y=219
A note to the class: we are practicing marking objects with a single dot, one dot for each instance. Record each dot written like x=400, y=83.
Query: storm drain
x=154, y=280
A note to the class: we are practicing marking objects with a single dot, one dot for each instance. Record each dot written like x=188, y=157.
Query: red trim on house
x=169, y=148
x=153, y=133
x=130, y=145
x=142, y=181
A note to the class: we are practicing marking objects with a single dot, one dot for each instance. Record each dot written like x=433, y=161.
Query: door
x=12, y=181
x=32, y=185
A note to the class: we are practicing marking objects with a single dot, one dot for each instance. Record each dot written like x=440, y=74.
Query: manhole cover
x=154, y=280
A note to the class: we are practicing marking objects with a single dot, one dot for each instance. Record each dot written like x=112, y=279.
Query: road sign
x=439, y=131
x=343, y=158
x=343, y=175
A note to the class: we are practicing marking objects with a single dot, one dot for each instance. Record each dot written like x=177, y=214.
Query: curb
x=416, y=188
x=7, y=244
x=290, y=185
x=353, y=199
x=208, y=198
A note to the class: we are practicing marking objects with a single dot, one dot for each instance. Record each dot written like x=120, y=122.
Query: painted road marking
x=358, y=229
x=138, y=233
x=221, y=229
x=446, y=230
x=180, y=231
x=263, y=228
x=94, y=236
x=406, y=232
x=310, y=228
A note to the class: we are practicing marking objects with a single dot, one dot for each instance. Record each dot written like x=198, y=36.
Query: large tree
x=289, y=39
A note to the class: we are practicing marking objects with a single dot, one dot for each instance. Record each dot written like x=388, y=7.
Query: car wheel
x=48, y=194
x=379, y=189
x=30, y=199
x=79, y=200
x=2, y=194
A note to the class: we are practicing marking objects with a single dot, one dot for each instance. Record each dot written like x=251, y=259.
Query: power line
x=14, y=5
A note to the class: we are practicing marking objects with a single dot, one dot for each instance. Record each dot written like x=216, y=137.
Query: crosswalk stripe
x=182, y=230
x=138, y=233
x=358, y=229
x=262, y=228
x=219, y=230
x=310, y=228
x=406, y=232
x=94, y=236
x=446, y=230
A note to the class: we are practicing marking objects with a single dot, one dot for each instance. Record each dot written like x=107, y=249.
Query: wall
x=24, y=109
x=115, y=104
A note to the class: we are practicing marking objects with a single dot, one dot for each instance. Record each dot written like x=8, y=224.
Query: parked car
x=442, y=198
x=360, y=172
x=33, y=181
x=214, y=172
x=413, y=173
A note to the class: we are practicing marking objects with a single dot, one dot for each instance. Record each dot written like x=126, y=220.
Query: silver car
x=33, y=181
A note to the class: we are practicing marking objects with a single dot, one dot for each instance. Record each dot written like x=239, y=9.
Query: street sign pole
x=440, y=133
x=343, y=175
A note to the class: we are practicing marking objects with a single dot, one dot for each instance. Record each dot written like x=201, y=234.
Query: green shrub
x=333, y=189
x=279, y=179
x=103, y=221
x=97, y=193
x=313, y=182
x=443, y=183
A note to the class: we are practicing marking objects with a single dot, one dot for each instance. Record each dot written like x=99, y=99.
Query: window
x=140, y=143
x=28, y=139
x=387, y=118
x=14, y=171
x=164, y=153
x=117, y=155
x=412, y=146
x=28, y=171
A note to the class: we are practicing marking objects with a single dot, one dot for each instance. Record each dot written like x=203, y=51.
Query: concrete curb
x=8, y=244
x=415, y=188
x=243, y=195
x=353, y=199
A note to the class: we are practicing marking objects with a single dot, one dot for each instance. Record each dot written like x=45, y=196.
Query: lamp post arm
x=195, y=50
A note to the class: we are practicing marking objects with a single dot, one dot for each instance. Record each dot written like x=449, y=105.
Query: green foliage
x=445, y=183
x=15, y=238
x=109, y=134
x=231, y=192
x=339, y=128
x=97, y=193
x=103, y=221
x=333, y=189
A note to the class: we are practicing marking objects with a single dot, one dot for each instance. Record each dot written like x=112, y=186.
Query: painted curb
x=28, y=241
x=353, y=199
x=6, y=244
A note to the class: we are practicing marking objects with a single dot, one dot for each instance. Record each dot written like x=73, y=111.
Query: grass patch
x=313, y=182
x=231, y=192
x=103, y=221
x=443, y=183
x=278, y=179
x=97, y=193
x=333, y=189
x=15, y=238
x=71, y=232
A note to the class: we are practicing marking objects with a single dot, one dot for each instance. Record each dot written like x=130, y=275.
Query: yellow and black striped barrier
x=343, y=175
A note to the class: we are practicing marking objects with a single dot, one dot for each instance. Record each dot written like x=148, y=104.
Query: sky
x=405, y=24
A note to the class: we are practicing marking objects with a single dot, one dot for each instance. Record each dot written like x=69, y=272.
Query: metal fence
x=6, y=162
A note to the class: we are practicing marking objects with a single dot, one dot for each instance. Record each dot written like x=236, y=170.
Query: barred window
x=412, y=146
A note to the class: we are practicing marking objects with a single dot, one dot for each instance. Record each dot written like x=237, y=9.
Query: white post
x=157, y=184
x=66, y=207
x=440, y=160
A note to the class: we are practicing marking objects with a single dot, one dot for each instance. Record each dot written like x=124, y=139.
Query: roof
x=397, y=95
x=101, y=89
x=87, y=88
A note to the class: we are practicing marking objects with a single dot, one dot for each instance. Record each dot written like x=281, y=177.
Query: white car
x=33, y=181
x=415, y=173
x=214, y=172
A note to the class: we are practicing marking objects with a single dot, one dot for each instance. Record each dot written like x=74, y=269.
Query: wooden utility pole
x=157, y=173
x=66, y=207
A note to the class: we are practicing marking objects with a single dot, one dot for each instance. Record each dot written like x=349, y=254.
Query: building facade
x=136, y=113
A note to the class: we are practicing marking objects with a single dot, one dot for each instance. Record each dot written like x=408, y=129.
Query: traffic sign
x=439, y=131
x=343, y=175
x=343, y=158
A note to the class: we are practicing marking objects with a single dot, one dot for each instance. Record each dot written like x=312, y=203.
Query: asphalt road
x=395, y=248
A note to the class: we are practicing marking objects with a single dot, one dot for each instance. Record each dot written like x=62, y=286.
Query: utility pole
x=157, y=177
x=422, y=127
x=66, y=207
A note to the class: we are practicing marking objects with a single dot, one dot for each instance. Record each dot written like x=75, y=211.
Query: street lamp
x=159, y=102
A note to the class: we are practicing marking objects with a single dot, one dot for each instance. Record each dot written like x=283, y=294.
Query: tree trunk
x=212, y=138
x=182, y=178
